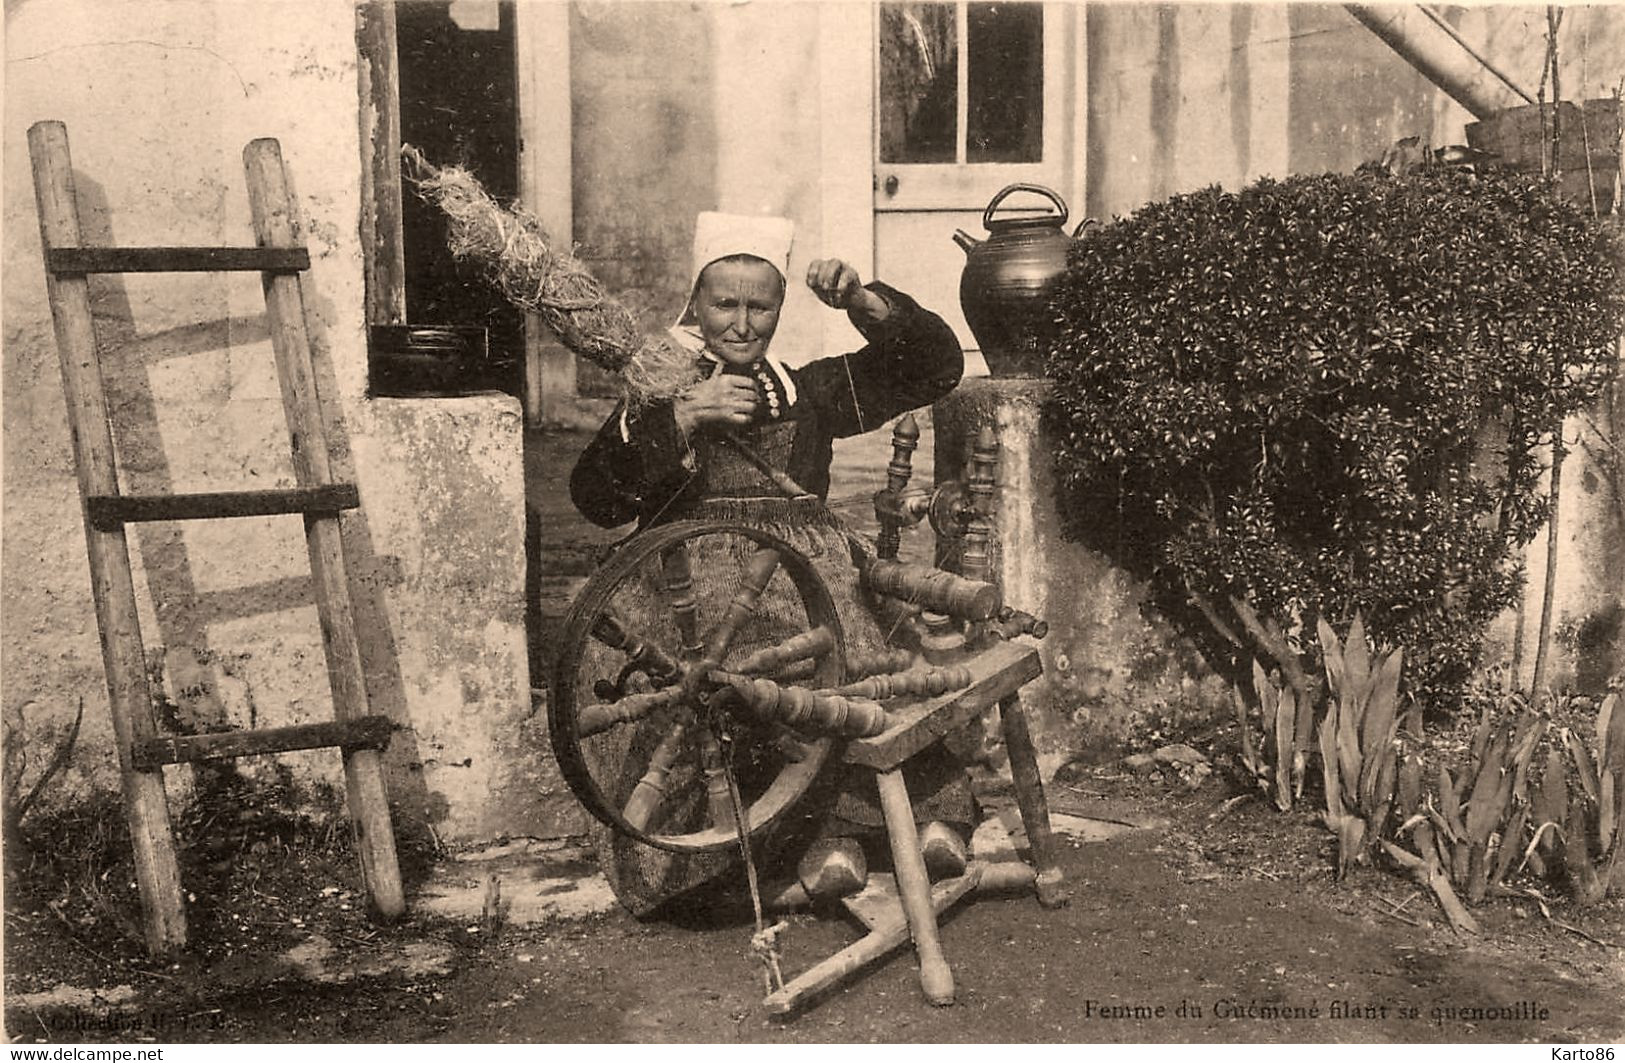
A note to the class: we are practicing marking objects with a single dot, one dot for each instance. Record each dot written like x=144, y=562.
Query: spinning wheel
x=705, y=682
x=683, y=703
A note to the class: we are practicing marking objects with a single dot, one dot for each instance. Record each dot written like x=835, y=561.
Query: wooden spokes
x=679, y=579
x=806, y=710
x=641, y=654
x=600, y=717
x=758, y=571
x=644, y=733
x=808, y=646
x=650, y=791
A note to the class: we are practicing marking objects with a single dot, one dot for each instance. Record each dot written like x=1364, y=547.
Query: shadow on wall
x=200, y=686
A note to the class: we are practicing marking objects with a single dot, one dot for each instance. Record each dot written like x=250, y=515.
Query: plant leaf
x=1284, y=722
x=1611, y=733
x=1481, y=736
x=1511, y=842
x=1348, y=746
x=1410, y=785
x=1332, y=650
x=1490, y=789
x=1582, y=762
x=1249, y=755
x=1377, y=729
x=1382, y=796
x=1605, y=811
x=1530, y=728
x=1357, y=655
x=1554, y=790
x=1266, y=691
x=1328, y=763
x=1350, y=838
x=1450, y=805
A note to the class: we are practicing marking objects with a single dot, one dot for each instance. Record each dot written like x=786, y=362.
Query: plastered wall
x=680, y=108
x=159, y=99
x=1182, y=96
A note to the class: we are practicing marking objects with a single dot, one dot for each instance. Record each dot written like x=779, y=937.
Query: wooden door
x=969, y=98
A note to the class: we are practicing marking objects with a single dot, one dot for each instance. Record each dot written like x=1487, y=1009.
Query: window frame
x=542, y=66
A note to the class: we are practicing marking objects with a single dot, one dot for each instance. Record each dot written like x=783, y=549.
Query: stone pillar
x=1105, y=665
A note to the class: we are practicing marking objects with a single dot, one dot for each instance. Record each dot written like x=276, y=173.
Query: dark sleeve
x=617, y=480
x=909, y=360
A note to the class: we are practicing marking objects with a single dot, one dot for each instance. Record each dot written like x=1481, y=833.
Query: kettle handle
x=987, y=215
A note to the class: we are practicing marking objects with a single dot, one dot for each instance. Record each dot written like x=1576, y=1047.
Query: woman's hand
x=721, y=399
x=838, y=284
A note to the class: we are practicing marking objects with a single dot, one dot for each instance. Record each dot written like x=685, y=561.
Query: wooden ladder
x=280, y=257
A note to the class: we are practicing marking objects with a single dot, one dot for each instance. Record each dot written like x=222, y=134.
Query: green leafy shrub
x=1325, y=394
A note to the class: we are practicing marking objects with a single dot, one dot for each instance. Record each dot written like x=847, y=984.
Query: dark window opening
x=458, y=105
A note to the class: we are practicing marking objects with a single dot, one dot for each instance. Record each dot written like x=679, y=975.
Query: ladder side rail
x=275, y=225
x=112, y=586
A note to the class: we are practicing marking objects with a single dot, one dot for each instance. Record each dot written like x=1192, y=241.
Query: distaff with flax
x=665, y=460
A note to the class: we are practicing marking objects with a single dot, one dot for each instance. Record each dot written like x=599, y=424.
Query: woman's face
x=737, y=303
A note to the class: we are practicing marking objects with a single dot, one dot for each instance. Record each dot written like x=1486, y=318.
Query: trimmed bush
x=1326, y=394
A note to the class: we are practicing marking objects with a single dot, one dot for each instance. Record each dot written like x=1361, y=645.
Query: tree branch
x=1205, y=606
x=1268, y=636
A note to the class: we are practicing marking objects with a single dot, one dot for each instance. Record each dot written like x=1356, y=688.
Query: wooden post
x=130, y=701
x=542, y=45
x=1018, y=743
x=905, y=439
x=936, y=980
x=275, y=225
x=383, y=249
x=976, y=562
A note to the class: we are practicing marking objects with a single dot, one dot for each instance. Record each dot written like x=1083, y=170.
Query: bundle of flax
x=517, y=255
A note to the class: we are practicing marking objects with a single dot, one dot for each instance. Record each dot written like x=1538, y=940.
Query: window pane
x=919, y=61
x=1005, y=45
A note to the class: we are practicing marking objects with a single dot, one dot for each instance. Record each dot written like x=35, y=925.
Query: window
x=441, y=76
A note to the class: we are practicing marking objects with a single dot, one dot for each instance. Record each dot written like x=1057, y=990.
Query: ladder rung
x=176, y=259
x=363, y=732
x=107, y=512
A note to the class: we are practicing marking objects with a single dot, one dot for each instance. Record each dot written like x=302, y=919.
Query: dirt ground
x=1215, y=920
x=1190, y=929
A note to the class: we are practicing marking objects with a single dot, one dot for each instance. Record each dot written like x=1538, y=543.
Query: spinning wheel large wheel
x=681, y=701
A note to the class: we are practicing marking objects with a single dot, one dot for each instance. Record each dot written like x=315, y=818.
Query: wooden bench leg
x=1018, y=742
x=936, y=980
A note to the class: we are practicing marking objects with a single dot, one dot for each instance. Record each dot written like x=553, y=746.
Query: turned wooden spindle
x=651, y=789
x=758, y=573
x=927, y=682
x=807, y=710
x=600, y=717
x=803, y=647
x=975, y=561
x=863, y=665
x=679, y=582
x=642, y=655
x=933, y=589
x=1013, y=622
x=942, y=639
x=905, y=438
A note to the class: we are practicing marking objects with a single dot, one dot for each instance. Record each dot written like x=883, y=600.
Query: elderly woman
x=670, y=460
x=665, y=461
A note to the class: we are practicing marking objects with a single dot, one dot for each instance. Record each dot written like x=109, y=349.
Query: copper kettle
x=1008, y=279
